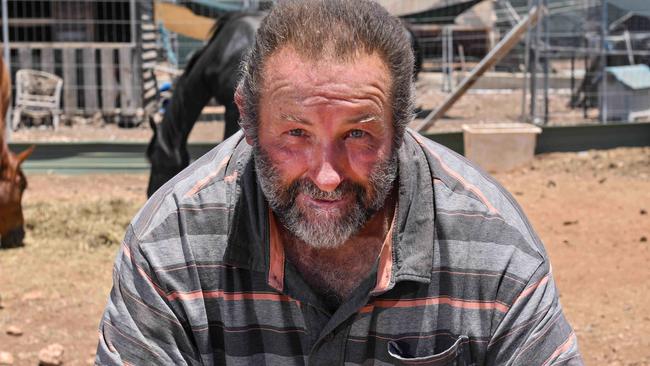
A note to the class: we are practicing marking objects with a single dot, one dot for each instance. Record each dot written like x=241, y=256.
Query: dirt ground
x=591, y=209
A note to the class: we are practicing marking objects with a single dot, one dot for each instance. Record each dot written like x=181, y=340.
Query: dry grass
x=84, y=225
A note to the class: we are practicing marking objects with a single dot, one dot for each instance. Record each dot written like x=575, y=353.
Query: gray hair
x=336, y=29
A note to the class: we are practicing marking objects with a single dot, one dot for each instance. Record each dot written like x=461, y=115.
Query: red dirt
x=591, y=209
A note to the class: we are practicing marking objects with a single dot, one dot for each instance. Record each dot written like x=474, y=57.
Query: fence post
x=603, y=55
x=533, y=71
x=546, y=49
x=527, y=73
x=7, y=60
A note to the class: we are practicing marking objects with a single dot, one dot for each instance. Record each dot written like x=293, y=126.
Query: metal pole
x=443, y=50
x=450, y=57
x=546, y=61
x=134, y=21
x=5, y=33
x=573, y=73
x=603, y=58
x=7, y=60
x=628, y=46
x=524, y=90
x=533, y=71
x=586, y=78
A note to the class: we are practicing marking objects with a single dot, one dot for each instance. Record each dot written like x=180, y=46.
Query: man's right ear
x=240, y=102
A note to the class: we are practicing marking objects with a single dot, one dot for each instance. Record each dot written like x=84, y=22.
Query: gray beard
x=318, y=228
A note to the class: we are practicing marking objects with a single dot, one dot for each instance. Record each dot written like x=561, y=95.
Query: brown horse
x=12, y=179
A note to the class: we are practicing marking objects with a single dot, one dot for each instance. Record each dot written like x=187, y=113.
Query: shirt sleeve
x=139, y=327
x=534, y=331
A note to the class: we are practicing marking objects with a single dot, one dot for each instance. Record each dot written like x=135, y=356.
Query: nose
x=13, y=239
x=326, y=174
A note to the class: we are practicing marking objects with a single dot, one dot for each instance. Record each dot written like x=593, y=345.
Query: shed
x=627, y=91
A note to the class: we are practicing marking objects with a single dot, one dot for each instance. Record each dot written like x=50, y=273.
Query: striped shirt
x=462, y=279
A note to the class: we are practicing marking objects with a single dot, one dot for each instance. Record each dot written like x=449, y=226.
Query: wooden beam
x=496, y=54
x=90, y=80
x=127, y=97
x=25, y=58
x=108, y=80
x=47, y=60
x=69, y=81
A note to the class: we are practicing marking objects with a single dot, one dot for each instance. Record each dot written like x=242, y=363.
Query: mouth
x=325, y=204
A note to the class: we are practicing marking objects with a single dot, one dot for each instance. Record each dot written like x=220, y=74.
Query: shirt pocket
x=402, y=353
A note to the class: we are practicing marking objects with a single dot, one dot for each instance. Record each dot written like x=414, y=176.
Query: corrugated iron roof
x=634, y=76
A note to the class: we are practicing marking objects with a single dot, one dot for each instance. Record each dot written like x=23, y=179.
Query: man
x=326, y=233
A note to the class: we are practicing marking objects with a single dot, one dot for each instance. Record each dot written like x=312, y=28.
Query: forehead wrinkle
x=326, y=89
x=328, y=99
x=277, y=78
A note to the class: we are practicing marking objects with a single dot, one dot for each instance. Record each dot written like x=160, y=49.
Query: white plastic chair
x=38, y=94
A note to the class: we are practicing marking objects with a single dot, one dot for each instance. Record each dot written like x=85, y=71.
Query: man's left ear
x=240, y=102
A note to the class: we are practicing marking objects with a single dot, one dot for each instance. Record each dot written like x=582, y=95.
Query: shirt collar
x=407, y=254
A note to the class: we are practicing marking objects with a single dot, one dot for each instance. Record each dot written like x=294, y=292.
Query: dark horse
x=212, y=72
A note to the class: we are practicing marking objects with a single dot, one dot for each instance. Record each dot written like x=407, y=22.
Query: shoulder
x=478, y=222
x=197, y=202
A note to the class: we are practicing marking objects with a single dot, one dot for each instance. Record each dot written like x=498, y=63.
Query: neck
x=335, y=272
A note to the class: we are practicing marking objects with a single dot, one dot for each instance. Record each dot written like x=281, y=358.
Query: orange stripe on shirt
x=143, y=273
x=470, y=187
x=532, y=288
x=562, y=348
x=228, y=296
x=441, y=300
x=201, y=183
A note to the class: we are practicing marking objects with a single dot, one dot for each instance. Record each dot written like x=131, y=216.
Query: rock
x=569, y=223
x=643, y=239
x=33, y=295
x=14, y=331
x=51, y=355
x=6, y=358
x=643, y=212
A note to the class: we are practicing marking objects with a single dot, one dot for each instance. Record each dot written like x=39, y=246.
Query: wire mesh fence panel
x=559, y=73
x=584, y=61
x=95, y=46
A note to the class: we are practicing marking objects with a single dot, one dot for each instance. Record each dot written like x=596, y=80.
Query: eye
x=356, y=134
x=297, y=132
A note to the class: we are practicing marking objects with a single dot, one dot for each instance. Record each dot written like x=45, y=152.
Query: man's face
x=325, y=156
